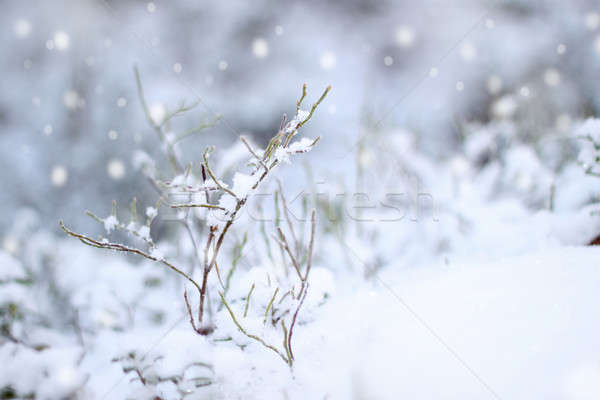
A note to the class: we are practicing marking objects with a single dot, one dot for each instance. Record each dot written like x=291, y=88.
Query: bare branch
x=196, y=205
x=248, y=300
x=120, y=247
x=299, y=103
x=270, y=304
x=259, y=159
x=294, y=321
x=212, y=175
x=286, y=247
x=311, y=243
x=286, y=214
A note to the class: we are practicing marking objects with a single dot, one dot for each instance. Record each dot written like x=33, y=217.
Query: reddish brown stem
x=294, y=321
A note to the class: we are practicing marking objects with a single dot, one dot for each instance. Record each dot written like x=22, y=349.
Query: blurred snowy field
x=456, y=188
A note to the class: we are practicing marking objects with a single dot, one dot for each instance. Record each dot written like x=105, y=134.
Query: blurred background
x=70, y=117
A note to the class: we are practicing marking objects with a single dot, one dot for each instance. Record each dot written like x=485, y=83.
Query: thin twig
x=311, y=243
x=196, y=205
x=286, y=342
x=284, y=244
x=270, y=304
x=248, y=300
x=258, y=158
x=212, y=175
x=294, y=321
x=286, y=215
x=120, y=247
x=299, y=103
x=189, y=310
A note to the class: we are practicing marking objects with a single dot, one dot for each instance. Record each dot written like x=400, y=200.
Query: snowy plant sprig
x=223, y=203
x=589, y=155
x=224, y=213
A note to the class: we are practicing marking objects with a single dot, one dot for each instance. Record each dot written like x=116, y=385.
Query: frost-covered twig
x=219, y=184
x=123, y=248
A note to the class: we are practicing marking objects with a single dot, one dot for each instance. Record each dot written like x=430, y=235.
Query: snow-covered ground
x=484, y=298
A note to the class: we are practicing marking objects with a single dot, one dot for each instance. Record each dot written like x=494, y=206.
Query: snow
x=157, y=113
x=144, y=232
x=157, y=253
x=282, y=155
x=242, y=184
x=11, y=268
x=151, y=212
x=300, y=116
x=501, y=318
x=304, y=145
x=589, y=154
x=110, y=223
x=142, y=161
x=493, y=284
x=301, y=146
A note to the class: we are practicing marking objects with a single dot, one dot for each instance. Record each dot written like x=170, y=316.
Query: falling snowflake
x=551, y=77
x=260, y=48
x=158, y=113
x=72, y=100
x=62, y=41
x=116, y=169
x=328, y=60
x=494, y=84
x=22, y=28
x=59, y=176
x=405, y=36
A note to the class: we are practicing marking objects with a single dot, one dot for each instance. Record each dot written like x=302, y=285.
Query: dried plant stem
x=251, y=150
x=284, y=245
x=286, y=215
x=120, y=247
x=311, y=243
x=205, y=273
x=212, y=175
x=248, y=300
x=289, y=342
x=270, y=304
